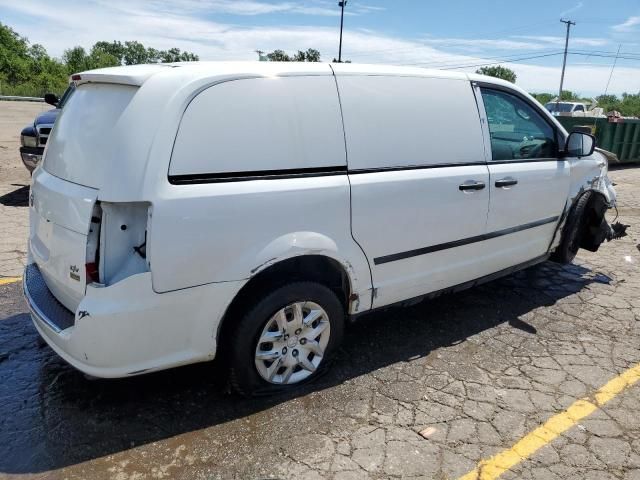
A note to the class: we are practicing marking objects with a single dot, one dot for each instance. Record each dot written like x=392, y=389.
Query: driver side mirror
x=579, y=145
x=51, y=99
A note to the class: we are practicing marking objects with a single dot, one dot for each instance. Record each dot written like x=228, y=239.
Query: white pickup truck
x=574, y=109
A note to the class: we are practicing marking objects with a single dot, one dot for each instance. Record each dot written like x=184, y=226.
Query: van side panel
x=393, y=121
x=411, y=143
x=261, y=124
x=209, y=227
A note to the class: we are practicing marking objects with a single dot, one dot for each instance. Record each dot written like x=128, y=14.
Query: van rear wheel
x=286, y=339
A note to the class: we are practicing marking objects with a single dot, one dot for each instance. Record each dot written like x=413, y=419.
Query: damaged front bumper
x=31, y=157
x=597, y=228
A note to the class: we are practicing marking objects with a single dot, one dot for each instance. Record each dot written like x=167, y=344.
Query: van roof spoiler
x=134, y=75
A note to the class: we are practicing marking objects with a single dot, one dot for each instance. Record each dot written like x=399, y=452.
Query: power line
x=504, y=61
x=604, y=56
x=612, y=69
x=427, y=45
x=469, y=58
x=613, y=53
x=606, y=89
x=454, y=65
x=498, y=59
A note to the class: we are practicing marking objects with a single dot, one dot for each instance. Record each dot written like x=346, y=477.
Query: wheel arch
x=588, y=176
x=319, y=268
x=596, y=208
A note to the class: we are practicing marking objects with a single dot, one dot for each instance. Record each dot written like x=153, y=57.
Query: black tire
x=243, y=373
x=573, y=231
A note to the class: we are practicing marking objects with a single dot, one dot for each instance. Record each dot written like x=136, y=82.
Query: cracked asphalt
x=421, y=392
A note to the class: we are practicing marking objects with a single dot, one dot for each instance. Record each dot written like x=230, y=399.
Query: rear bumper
x=127, y=329
x=31, y=157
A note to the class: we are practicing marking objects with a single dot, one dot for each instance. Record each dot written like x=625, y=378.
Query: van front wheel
x=573, y=231
x=286, y=339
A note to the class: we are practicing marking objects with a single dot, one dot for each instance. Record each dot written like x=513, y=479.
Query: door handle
x=506, y=182
x=471, y=185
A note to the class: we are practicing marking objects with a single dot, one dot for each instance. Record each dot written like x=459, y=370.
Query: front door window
x=517, y=130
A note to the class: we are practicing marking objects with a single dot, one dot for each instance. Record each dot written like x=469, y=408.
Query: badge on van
x=74, y=272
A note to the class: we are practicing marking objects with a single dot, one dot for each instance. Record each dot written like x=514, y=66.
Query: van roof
x=203, y=72
x=138, y=74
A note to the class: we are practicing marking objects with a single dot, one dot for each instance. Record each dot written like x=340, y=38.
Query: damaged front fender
x=589, y=177
x=596, y=229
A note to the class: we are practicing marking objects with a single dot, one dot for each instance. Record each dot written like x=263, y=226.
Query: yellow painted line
x=7, y=280
x=493, y=467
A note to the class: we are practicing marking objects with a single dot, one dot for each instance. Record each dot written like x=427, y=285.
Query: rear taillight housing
x=92, y=272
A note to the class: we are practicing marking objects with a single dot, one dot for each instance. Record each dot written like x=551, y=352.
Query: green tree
x=278, y=56
x=100, y=59
x=608, y=102
x=114, y=49
x=153, y=55
x=607, y=99
x=175, y=55
x=76, y=60
x=28, y=70
x=14, y=56
x=543, y=97
x=630, y=104
x=310, y=55
x=498, y=71
x=569, y=96
x=135, y=53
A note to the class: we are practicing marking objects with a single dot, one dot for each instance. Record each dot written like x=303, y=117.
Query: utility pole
x=564, y=62
x=341, y=4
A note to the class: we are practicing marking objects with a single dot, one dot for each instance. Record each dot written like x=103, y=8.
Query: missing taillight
x=92, y=262
x=122, y=249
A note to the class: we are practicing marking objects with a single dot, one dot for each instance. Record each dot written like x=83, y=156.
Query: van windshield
x=65, y=96
x=559, y=107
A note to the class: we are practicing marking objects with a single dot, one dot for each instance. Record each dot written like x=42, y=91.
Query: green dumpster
x=621, y=138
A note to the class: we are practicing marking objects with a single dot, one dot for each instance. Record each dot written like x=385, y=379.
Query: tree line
x=28, y=70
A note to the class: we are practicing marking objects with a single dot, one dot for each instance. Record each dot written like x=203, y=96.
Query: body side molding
x=464, y=241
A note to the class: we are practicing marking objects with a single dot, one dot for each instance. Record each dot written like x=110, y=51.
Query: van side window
x=579, y=108
x=517, y=130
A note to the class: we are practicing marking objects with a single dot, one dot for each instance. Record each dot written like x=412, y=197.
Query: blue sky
x=458, y=34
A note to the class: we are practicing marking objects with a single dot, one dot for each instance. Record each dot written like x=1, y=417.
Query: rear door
x=418, y=181
x=85, y=153
x=60, y=220
x=529, y=183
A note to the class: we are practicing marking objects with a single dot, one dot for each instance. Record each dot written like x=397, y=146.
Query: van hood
x=47, y=118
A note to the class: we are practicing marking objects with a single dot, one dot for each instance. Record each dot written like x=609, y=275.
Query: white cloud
x=480, y=43
x=575, y=8
x=162, y=25
x=628, y=25
x=559, y=41
x=248, y=7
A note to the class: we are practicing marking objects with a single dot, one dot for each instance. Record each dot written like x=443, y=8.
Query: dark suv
x=33, y=138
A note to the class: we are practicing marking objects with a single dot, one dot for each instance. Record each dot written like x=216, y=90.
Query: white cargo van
x=249, y=209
